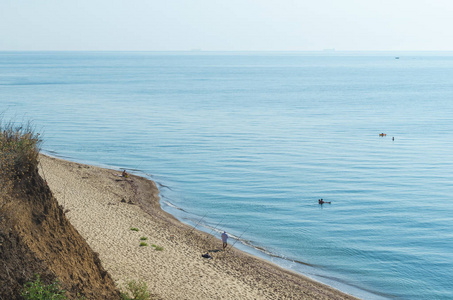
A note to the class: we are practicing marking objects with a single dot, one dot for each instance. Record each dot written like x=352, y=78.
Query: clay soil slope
x=37, y=238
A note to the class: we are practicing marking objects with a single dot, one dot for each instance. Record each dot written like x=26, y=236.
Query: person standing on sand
x=224, y=239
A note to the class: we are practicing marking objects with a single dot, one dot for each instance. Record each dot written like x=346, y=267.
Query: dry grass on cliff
x=19, y=149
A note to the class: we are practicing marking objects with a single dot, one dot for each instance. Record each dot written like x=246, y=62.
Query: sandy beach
x=103, y=207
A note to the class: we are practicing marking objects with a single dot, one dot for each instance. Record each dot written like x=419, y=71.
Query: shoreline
x=104, y=207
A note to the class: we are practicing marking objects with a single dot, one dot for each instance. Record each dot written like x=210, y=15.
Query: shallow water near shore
x=248, y=142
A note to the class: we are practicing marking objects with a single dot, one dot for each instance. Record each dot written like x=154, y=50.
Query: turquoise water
x=248, y=142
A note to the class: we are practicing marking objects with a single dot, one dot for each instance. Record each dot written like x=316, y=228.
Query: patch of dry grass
x=19, y=149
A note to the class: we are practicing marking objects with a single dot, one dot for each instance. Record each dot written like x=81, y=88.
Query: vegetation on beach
x=37, y=290
x=158, y=248
x=143, y=238
x=19, y=150
x=143, y=244
x=136, y=290
x=134, y=229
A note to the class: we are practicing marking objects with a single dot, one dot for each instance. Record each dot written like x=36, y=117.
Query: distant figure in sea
x=224, y=239
x=393, y=138
x=321, y=201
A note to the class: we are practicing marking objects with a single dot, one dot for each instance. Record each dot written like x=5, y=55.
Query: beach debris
x=123, y=174
x=206, y=255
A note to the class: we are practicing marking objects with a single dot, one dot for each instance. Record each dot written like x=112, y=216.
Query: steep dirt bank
x=37, y=238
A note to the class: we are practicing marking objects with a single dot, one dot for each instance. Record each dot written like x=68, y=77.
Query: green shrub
x=138, y=290
x=37, y=290
x=134, y=229
x=143, y=244
x=158, y=248
x=143, y=238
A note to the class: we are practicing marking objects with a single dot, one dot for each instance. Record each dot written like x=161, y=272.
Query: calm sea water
x=248, y=142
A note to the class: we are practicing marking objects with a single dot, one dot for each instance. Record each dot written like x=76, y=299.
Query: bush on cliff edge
x=19, y=150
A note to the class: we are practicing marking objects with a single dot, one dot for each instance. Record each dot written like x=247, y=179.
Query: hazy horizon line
x=201, y=50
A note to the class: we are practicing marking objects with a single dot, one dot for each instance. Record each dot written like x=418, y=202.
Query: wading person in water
x=224, y=239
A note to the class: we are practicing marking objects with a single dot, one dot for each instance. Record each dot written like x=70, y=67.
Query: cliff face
x=37, y=238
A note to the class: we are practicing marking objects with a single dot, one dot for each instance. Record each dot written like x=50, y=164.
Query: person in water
x=224, y=239
x=321, y=201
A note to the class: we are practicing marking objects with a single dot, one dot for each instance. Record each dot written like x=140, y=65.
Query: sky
x=228, y=25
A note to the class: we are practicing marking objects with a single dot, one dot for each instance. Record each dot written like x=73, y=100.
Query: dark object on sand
x=206, y=255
